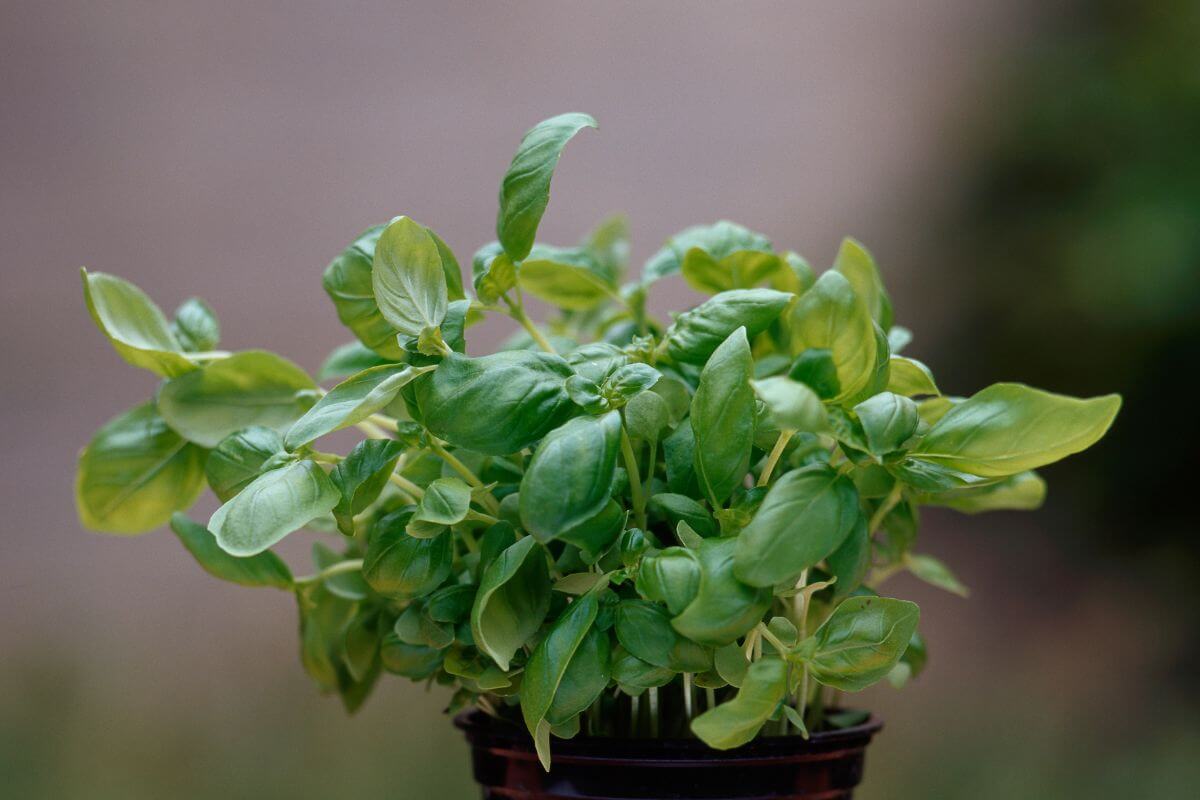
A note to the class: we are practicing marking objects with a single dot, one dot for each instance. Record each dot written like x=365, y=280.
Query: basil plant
x=613, y=523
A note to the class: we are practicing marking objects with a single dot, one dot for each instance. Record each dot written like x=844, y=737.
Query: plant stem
x=353, y=565
x=489, y=502
x=801, y=601
x=650, y=467
x=776, y=454
x=653, y=692
x=383, y=422
x=209, y=355
x=416, y=492
x=710, y=695
x=372, y=430
x=885, y=508
x=765, y=632
x=687, y=696
x=635, y=479
x=634, y=708
x=326, y=458
x=517, y=311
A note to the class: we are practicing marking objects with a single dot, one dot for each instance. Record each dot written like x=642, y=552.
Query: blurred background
x=1026, y=173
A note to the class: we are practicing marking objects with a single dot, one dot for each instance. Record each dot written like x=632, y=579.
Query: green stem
x=489, y=502
x=650, y=467
x=687, y=696
x=487, y=519
x=776, y=453
x=517, y=311
x=653, y=692
x=209, y=355
x=885, y=508
x=801, y=600
x=353, y=565
x=765, y=632
x=372, y=430
x=383, y=422
x=326, y=458
x=635, y=479
x=416, y=492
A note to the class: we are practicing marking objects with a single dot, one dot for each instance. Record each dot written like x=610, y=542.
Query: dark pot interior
x=826, y=767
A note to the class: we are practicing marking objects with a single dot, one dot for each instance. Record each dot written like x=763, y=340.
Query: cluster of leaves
x=606, y=509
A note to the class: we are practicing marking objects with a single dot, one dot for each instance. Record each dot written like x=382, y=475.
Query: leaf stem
x=416, y=492
x=372, y=430
x=687, y=696
x=489, y=502
x=381, y=421
x=635, y=479
x=885, y=508
x=517, y=311
x=209, y=355
x=801, y=602
x=776, y=453
x=352, y=565
x=765, y=632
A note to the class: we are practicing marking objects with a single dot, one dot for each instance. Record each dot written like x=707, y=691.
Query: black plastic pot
x=826, y=767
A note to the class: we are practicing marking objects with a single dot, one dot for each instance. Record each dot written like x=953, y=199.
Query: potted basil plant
x=616, y=541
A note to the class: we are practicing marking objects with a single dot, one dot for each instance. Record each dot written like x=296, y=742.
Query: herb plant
x=613, y=523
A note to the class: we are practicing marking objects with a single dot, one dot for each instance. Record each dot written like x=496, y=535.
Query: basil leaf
x=816, y=370
x=135, y=472
x=134, y=325
x=804, y=517
x=738, y=721
x=525, y=191
x=888, y=421
x=627, y=382
x=264, y=569
x=324, y=619
x=731, y=664
x=722, y=418
x=195, y=326
x=831, y=316
x=360, y=478
x=348, y=283
x=411, y=661
x=401, y=566
x=860, y=642
x=679, y=458
x=671, y=576
x=935, y=573
x=352, y=401
x=407, y=278
x=717, y=241
x=634, y=676
x=446, y=502
x=250, y=388
x=644, y=629
x=568, y=278
x=681, y=508
x=495, y=404
x=493, y=273
x=594, y=535
x=1009, y=428
x=272, y=506
x=723, y=607
x=512, y=601
x=695, y=334
x=349, y=585
x=1024, y=491
x=596, y=361
x=569, y=478
x=609, y=245
x=909, y=377
x=647, y=416
x=241, y=457
x=348, y=359
x=851, y=560
x=792, y=405
x=856, y=263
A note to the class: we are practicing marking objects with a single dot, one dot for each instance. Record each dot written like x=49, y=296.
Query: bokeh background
x=1026, y=173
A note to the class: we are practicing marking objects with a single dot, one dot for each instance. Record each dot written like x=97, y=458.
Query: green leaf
x=792, y=405
x=609, y=245
x=629, y=381
x=851, y=560
x=243, y=456
x=324, y=618
x=446, y=502
x=272, y=506
x=816, y=370
x=860, y=643
x=723, y=607
x=831, y=316
x=644, y=629
x=695, y=334
x=360, y=478
x=804, y=517
x=133, y=324
x=570, y=475
x=416, y=662
x=595, y=361
x=909, y=377
x=493, y=273
x=512, y=601
x=407, y=278
x=858, y=266
x=569, y=278
x=705, y=244
x=401, y=566
x=250, y=388
x=496, y=404
x=348, y=283
x=594, y=535
x=679, y=507
x=647, y=417
x=731, y=664
x=888, y=421
x=634, y=676
x=264, y=569
x=738, y=721
x=722, y=418
x=1009, y=428
x=935, y=573
x=348, y=359
x=352, y=401
x=135, y=473
x=195, y=326
x=525, y=191
x=349, y=585
x=1024, y=491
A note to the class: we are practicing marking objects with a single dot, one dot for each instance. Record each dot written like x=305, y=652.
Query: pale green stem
x=353, y=565
x=885, y=508
x=765, y=632
x=517, y=311
x=653, y=692
x=710, y=695
x=487, y=519
x=209, y=355
x=372, y=430
x=801, y=600
x=326, y=458
x=489, y=502
x=687, y=696
x=635, y=480
x=776, y=453
x=387, y=423
x=416, y=492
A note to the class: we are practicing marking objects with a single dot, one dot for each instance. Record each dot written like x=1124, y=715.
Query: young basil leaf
x=512, y=601
x=264, y=569
x=134, y=325
x=858, y=266
x=241, y=457
x=1024, y=491
x=407, y=278
x=135, y=473
x=723, y=607
x=195, y=326
x=594, y=535
x=851, y=560
x=860, y=642
x=909, y=377
x=888, y=421
x=349, y=585
x=796, y=277
x=348, y=359
x=352, y=401
x=495, y=404
x=831, y=316
x=595, y=361
x=272, y=506
x=635, y=676
x=731, y=664
x=679, y=457
x=935, y=573
x=361, y=650
x=586, y=395
x=670, y=576
x=570, y=475
x=722, y=418
x=717, y=241
x=568, y=278
x=681, y=508
x=816, y=370
x=792, y=405
x=411, y=661
x=805, y=516
x=628, y=382
x=250, y=388
x=899, y=338
x=451, y=604
x=525, y=191
x=736, y=722
x=324, y=618
x=493, y=273
x=446, y=502
x=735, y=271
x=644, y=629
x=348, y=283
x=401, y=566
x=360, y=478
x=695, y=334
x=1009, y=428
x=609, y=245
x=647, y=417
